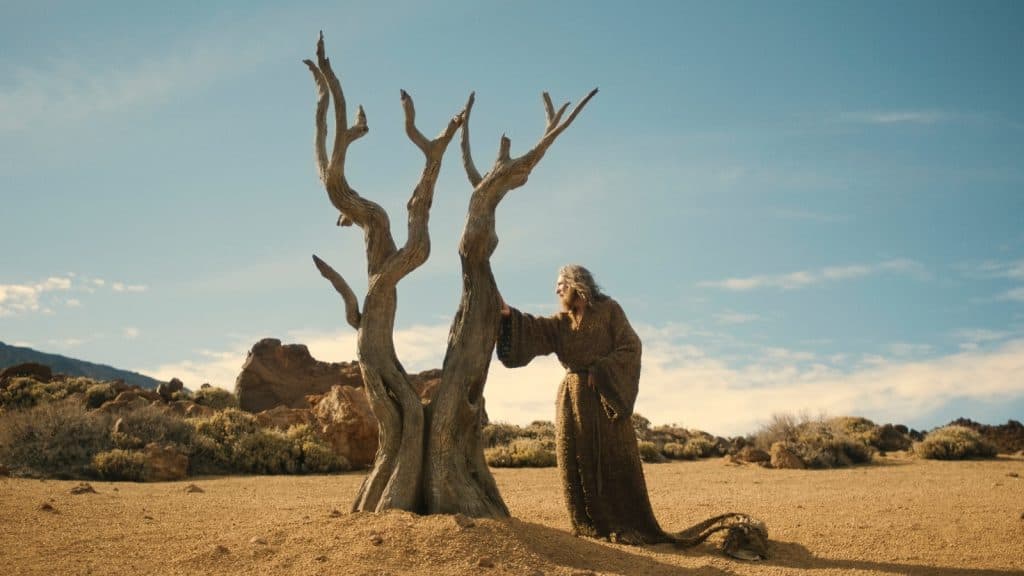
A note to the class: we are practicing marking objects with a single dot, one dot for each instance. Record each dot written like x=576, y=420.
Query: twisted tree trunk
x=430, y=458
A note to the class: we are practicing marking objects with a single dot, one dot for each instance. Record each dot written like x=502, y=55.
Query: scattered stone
x=46, y=507
x=784, y=458
x=321, y=558
x=335, y=513
x=485, y=562
x=1013, y=475
x=192, y=488
x=258, y=540
x=464, y=521
x=147, y=517
x=220, y=549
x=376, y=539
x=83, y=488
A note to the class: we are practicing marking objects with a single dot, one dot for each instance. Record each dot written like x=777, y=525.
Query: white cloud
x=122, y=287
x=32, y=297
x=683, y=383
x=804, y=278
x=18, y=298
x=130, y=332
x=894, y=117
x=1013, y=295
x=732, y=318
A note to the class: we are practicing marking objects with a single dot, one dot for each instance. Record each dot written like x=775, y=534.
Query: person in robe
x=596, y=446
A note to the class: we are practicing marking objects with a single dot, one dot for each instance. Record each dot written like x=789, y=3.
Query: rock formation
x=283, y=375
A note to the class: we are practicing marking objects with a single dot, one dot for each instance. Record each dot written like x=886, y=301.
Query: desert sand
x=897, y=516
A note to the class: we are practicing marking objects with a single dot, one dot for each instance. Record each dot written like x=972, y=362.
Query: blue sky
x=804, y=207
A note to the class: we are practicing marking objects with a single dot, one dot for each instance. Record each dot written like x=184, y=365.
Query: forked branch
x=339, y=283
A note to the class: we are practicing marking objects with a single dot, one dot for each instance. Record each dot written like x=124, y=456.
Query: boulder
x=283, y=375
x=347, y=423
x=784, y=458
x=283, y=417
x=164, y=463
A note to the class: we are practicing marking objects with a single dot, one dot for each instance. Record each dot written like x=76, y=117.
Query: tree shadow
x=583, y=554
x=793, y=555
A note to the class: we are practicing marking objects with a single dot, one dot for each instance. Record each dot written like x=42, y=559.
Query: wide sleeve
x=617, y=375
x=523, y=337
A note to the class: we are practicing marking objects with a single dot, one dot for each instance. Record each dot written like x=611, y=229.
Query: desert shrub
x=53, y=439
x=266, y=451
x=892, y=438
x=521, y=452
x=954, y=443
x=97, y=394
x=118, y=464
x=216, y=398
x=695, y=447
x=820, y=442
x=316, y=455
x=152, y=423
x=649, y=452
x=641, y=426
x=500, y=434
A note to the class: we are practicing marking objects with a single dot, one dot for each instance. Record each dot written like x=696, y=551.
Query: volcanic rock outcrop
x=283, y=375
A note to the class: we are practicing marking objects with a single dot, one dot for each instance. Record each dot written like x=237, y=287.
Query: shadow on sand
x=566, y=550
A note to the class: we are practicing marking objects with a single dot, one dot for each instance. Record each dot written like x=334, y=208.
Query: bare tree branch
x=351, y=303
x=323, y=100
x=414, y=134
x=467, y=156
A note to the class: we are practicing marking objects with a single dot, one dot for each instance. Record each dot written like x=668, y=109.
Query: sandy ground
x=898, y=516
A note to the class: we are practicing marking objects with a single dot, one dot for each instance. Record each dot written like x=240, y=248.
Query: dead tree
x=430, y=459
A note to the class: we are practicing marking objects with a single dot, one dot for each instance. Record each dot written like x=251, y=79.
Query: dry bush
x=55, y=439
x=820, y=442
x=153, y=424
x=99, y=393
x=698, y=446
x=520, y=453
x=641, y=426
x=501, y=434
x=954, y=443
x=118, y=464
x=649, y=452
x=216, y=398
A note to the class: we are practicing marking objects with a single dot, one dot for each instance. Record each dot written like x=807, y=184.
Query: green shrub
x=695, y=447
x=522, y=452
x=53, y=439
x=954, y=443
x=97, y=394
x=216, y=398
x=266, y=451
x=500, y=434
x=152, y=423
x=317, y=456
x=641, y=425
x=649, y=452
x=120, y=464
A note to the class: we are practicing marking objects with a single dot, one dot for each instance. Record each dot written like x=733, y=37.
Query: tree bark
x=430, y=458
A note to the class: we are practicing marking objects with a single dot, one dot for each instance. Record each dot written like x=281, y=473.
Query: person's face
x=566, y=295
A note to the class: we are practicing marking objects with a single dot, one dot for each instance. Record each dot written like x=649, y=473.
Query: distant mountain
x=11, y=355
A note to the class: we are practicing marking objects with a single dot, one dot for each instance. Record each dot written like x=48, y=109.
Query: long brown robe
x=597, y=452
x=596, y=447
